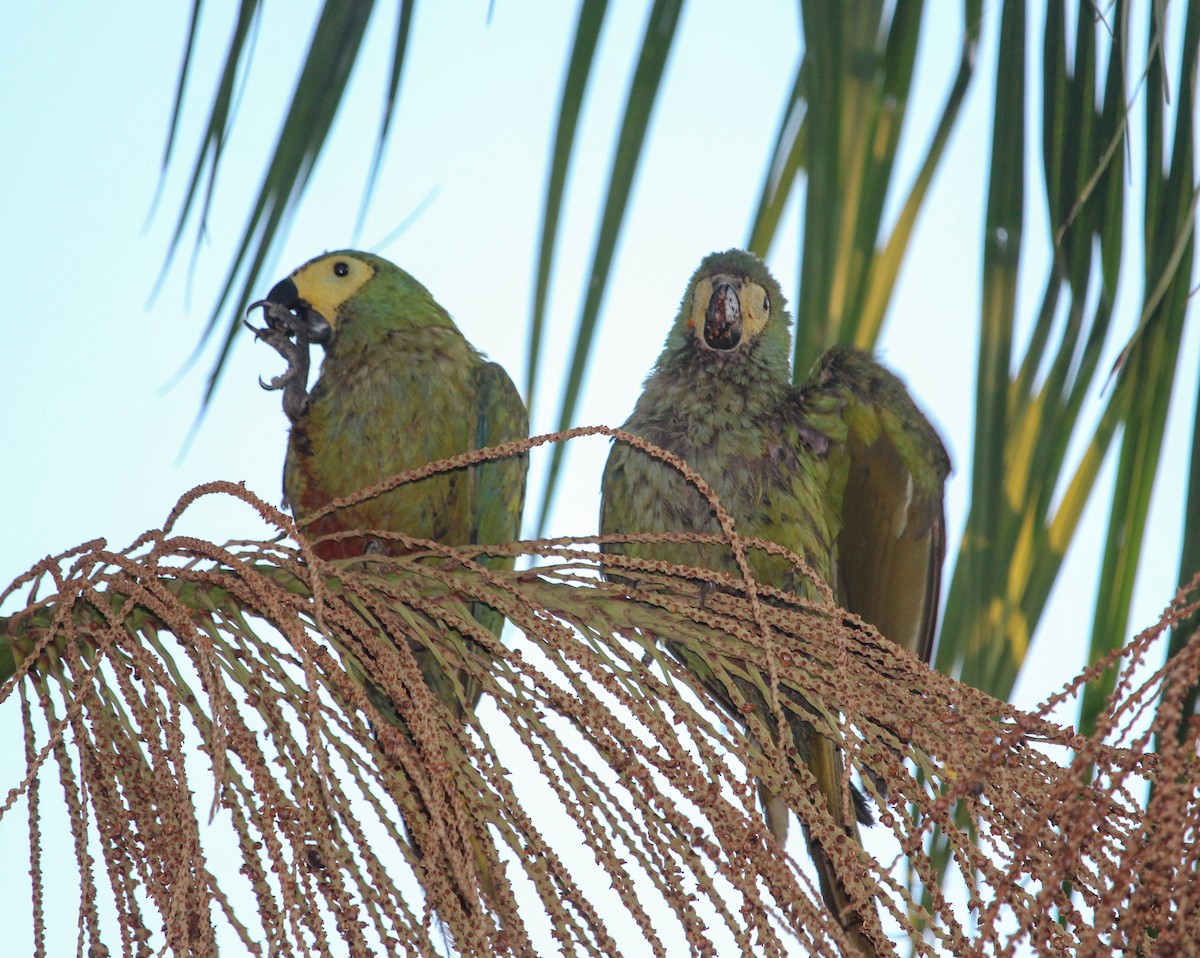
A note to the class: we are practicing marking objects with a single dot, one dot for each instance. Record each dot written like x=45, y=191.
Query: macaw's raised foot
x=278, y=335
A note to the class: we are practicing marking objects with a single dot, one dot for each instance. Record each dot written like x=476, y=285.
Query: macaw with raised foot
x=842, y=469
x=399, y=387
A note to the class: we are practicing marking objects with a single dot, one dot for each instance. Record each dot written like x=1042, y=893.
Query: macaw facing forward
x=842, y=469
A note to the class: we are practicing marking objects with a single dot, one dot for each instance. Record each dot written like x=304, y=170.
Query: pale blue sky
x=91, y=433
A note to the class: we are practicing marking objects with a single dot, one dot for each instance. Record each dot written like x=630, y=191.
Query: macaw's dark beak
x=284, y=293
x=286, y=311
x=723, y=319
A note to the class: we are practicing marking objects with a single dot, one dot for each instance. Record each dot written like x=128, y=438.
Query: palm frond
x=258, y=650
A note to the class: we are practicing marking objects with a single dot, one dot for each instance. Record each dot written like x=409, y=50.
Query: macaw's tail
x=824, y=760
x=456, y=863
x=826, y=763
x=453, y=850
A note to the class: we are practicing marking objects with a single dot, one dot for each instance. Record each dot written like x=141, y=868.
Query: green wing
x=889, y=469
x=498, y=485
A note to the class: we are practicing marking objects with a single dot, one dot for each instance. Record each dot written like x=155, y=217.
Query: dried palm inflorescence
x=621, y=809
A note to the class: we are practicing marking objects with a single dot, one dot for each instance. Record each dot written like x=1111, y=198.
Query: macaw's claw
x=293, y=380
x=278, y=316
x=296, y=320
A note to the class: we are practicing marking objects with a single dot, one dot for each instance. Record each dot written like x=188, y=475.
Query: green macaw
x=842, y=469
x=399, y=387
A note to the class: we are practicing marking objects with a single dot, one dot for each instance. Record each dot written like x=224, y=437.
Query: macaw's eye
x=766, y=304
x=341, y=269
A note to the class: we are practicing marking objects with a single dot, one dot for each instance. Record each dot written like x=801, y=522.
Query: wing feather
x=892, y=538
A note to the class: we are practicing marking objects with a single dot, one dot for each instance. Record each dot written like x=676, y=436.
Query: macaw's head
x=732, y=304
x=312, y=303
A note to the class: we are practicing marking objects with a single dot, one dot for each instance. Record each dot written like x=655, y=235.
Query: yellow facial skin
x=753, y=299
x=326, y=283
